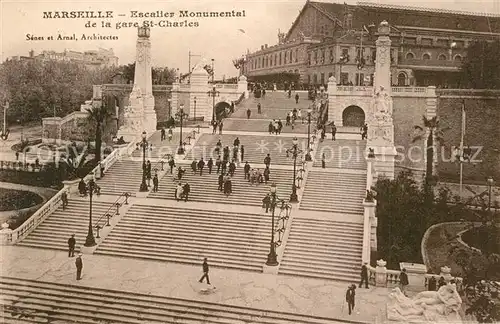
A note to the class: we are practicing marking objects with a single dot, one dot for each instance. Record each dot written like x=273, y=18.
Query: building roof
x=366, y=13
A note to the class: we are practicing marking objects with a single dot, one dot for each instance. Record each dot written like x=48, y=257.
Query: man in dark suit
x=364, y=275
x=79, y=266
x=205, y=271
x=71, y=246
x=350, y=297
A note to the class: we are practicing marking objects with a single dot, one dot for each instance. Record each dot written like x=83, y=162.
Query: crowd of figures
x=225, y=165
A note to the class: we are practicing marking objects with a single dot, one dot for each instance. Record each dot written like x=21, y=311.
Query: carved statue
x=425, y=307
x=382, y=105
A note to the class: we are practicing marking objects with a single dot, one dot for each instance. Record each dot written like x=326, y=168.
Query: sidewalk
x=256, y=290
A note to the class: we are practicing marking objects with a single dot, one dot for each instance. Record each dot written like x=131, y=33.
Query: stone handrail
x=395, y=90
x=9, y=237
x=409, y=89
x=230, y=86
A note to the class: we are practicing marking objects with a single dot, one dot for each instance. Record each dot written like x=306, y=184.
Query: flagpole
x=462, y=134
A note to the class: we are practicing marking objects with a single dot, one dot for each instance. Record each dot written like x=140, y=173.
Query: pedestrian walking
x=296, y=98
x=259, y=108
x=210, y=165
x=266, y=202
x=323, y=161
x=171, y=164
x=148, y=172
x=403, y=281
x=220, y=127
x=350, y=297
x=201, y=165
x=205, y=271
x=79, y=266
x=163, y=134
x=71, y=246
x=242, y=150
x=249, y=112
x=64, y=199
x=246, y=170
x=218, y=163
x=334, y=132
x=221, y=181
x=214, y=126
x=364, y=131
x=186, y=189
x=170, y=134
x=155, y=183
x=267, y=160
x=178, y=191
x=194, y=165
x=364, y=275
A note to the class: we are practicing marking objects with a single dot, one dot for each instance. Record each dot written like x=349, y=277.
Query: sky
x=222, y=39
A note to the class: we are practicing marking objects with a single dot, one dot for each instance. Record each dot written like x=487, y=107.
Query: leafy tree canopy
x=481, y=67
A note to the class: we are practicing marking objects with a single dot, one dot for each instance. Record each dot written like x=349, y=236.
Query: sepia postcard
x=263, y=162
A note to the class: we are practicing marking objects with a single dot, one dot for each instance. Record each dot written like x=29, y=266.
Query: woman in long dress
x=178, y=192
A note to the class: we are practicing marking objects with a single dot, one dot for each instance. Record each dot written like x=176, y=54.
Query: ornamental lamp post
x=91, y=188
x=213, y=93
x=272, y=257
x=308, y=155
x=181, y=114
x=490, y=183
x=144, y=145
x=295, y=152
x=194, y=113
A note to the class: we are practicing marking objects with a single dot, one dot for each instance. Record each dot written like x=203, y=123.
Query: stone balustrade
x=396, y=91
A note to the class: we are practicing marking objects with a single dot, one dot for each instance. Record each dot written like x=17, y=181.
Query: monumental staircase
x=186, y=235
x=325, y=232
x=33, y=301
x=55, y=231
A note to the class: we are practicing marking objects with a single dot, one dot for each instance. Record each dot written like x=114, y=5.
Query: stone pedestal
x=6, y=234
x=369, y=214
x=199, y=89
x=416, y=273
x=381, y=274
x=71, y=185
x=384, y=161
x=243, y=86
x=446, y=273
x=334, y=112
x=270, y=269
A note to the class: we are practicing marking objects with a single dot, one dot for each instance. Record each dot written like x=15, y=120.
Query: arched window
x=275, y=59
x=290, y=57
x=458, y=58
x=296, y=55
x=410, y=56
x=280, y=59
x=442, y=57
x=402, y=77
x=426, y=56
x=284, y=60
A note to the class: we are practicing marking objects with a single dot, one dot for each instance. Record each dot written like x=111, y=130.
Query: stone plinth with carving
x=440, y=306
x=199, y=88
x=140, y=115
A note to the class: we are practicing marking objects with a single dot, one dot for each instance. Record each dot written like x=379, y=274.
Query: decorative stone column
x=334, y=111
x=140, y=115
x=200, y=88
x=416, y=273
x=6, y=234
x=381, y=274
x=430, y=112
x=379, y=120
x=242, y=86
x=368, y=215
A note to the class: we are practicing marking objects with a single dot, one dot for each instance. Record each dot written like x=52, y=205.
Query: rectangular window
x=296, y=55
x=345, y=51
x=442, y=42
x=322, y=78
x=410, y=40
x=315, y=57
x=309, y=79
x=426, y=41
x=344, y=78
x=360, y=79
x=291, y=61
x=315, y=78
x=331, y=56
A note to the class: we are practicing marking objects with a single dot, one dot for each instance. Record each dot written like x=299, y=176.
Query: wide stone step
x=164, y=309
x=328, y=275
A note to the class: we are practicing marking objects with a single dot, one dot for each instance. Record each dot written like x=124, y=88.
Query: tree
x=481, y=67
x=128, y=72
x=434, y=134
x=98, y=115
x=163, y=75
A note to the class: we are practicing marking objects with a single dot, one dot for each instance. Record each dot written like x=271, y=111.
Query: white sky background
x=216, y=38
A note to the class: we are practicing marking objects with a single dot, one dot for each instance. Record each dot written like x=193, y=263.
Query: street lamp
x=194, y=114
x=295, y=152
x=490, y=182
x=308, y=155
x=272, y=257
x=213, y=93
x=144, y=145
x=169, y=100
x=181, y=114
x=91, y=189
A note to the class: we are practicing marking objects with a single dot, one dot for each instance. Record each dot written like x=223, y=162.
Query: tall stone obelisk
x=140, y=114
x=380, y=121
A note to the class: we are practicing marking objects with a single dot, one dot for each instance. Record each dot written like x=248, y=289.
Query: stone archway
x=222, y=110
x=353, y=116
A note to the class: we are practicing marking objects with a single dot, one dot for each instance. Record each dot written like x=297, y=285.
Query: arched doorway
x=402, y=79
x=353, y=116
x=222, y=110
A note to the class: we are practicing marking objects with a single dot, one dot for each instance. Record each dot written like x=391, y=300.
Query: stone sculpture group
x=426, y=307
